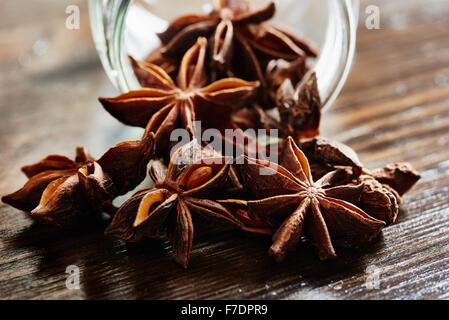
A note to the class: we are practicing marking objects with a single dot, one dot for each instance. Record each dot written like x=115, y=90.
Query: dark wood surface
x=394, y=107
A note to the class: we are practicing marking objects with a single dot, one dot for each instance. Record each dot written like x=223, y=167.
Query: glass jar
x=124, y=27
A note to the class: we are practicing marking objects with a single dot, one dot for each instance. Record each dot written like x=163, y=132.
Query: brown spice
x=163, y=106
x=179, y=190
x=378, y=200
x=300, y=107
x=347, y=202
x=289, y=195
x=241, y=43
x=61, y=191
x=400, y=176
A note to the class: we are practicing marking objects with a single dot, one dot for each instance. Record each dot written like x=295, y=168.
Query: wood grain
x=394, y=107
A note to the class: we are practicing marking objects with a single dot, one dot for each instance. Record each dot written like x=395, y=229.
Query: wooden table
x=394, y=107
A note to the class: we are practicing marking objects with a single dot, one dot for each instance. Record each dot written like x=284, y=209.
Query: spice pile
x=230, y=69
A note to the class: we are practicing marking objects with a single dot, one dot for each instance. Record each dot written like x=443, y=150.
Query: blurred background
x=394, y=106
x=50, y=79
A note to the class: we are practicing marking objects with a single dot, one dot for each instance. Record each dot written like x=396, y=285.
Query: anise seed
x=198, y=177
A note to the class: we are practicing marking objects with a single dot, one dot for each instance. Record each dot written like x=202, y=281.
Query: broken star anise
x=384, y=187
x=241, y=43
x=400, y=176
x=289, y=197
x=162, y=106
x=62, y=191
x=378, y=200
x=326, y=155
x=191, y=178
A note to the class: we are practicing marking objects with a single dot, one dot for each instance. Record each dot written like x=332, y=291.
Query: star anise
x=62, y=191
x=279, y=70
x=297, y=112
x=378, y=200
x=300, y=106
x=241, y=43
x=192, y=177
x=255, y=117
x=290, y=197
x=383, y=189
x=400, y=176
x=162, y=106
x=170, y=65
x=326, y=155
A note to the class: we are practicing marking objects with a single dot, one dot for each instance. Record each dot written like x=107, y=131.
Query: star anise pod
x=62, y=191
x=290, y=197
x=256, y=117
x=383, y=188
x=241, y=43
x=400, y=176
x=326, y=155
x=300, y=107
x=170, y=65
x=192, y=177
x=279, y=70
x=162, y=106
x=378, y=200
x=296, y=111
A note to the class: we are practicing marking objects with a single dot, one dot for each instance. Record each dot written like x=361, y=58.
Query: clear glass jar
x=123, y=27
